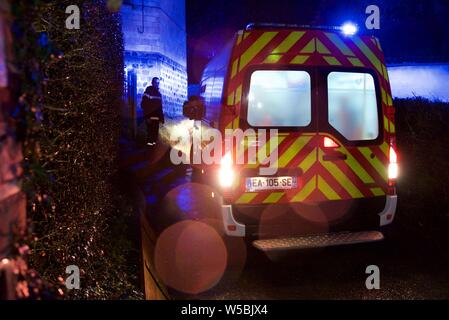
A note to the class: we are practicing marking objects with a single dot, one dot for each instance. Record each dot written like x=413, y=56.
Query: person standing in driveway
x=152, y=111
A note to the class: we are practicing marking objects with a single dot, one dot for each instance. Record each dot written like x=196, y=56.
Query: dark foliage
x=71, y=96
x=423, y=189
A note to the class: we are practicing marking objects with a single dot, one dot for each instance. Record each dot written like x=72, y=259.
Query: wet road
x=193, y=258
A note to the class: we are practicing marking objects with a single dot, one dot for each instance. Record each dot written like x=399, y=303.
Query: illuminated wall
x=156, y=46
x=420, y=80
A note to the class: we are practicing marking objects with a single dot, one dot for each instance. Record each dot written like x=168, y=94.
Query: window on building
x=352, y=105
x=279, y=98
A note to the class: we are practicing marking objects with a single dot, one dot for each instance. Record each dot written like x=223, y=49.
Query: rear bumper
x=264, y=221
x=318, y=241
x=387, y=215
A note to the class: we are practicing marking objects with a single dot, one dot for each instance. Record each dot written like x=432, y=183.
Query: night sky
x=411, y=31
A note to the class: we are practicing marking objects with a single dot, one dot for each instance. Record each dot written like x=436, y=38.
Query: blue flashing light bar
x=347, y=29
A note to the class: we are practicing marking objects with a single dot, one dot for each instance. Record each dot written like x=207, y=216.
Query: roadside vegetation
x=422, y=128
x=69, y=122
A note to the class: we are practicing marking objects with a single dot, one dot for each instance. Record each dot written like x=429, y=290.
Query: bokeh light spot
x=190, y=257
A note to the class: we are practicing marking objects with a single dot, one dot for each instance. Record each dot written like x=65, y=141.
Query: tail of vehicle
x=337, y=151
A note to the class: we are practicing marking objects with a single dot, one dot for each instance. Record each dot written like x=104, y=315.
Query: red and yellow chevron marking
x=362, y=175
x=364, y=172
x=303, y=47
x=294, y=151
x=389, y=125
x=297, y=46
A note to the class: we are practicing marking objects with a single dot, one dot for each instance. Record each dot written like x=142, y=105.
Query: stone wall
x=156, y=46
x=173, y=76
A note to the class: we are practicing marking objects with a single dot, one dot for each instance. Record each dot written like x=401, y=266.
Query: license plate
x=271, y=183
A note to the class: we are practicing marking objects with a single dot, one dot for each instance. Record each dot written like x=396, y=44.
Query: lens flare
x=190, y=257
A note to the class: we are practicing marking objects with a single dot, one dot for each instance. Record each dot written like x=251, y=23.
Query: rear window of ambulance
x=352, y=105
x=280, y=98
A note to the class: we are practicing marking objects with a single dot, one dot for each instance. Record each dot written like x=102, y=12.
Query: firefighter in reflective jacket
x=152, y=111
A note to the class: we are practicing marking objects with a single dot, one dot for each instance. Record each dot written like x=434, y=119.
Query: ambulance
x=326, y=91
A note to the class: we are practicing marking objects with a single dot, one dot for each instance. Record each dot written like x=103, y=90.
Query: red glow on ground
x=190, y=257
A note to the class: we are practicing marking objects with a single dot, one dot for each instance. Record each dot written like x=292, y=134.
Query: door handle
x=335, y=156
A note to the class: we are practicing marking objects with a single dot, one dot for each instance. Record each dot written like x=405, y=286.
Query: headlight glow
x=226, y=173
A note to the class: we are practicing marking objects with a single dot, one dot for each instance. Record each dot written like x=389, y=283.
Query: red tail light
x=393, y=155
x=226, y=173
x=393, y=169
x=330, y=143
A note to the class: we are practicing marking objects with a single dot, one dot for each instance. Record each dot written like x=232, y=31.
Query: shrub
x=423, y=140
x=72, y=88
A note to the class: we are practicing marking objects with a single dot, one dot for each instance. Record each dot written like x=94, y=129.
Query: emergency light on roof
x=253, y=26
x=348, y=29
